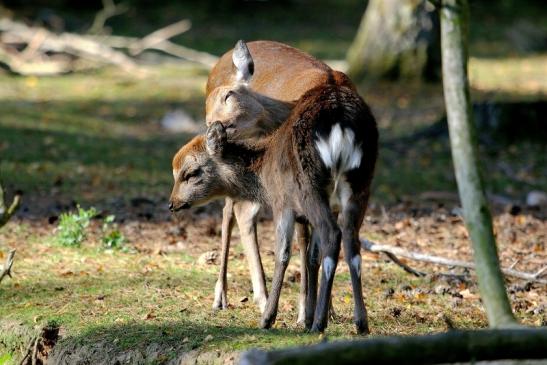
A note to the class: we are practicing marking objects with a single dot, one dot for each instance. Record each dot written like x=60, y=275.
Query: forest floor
x=95, y=139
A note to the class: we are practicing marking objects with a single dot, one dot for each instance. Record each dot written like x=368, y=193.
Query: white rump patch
x=339, y=151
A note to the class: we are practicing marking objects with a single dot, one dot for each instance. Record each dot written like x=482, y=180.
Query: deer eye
x=191, y=174
x=228, y=94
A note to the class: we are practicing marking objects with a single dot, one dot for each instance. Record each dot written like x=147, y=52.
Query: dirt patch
x=103, y=353
x=28, y=345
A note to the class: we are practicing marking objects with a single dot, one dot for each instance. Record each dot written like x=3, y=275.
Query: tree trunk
x=454, y=22
x=397, y=39
x=442, y=348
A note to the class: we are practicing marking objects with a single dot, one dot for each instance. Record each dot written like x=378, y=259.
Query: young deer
x=251, y=96
x=319, y=161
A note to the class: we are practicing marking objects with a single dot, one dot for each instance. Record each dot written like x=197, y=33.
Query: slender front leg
x=221, y=301
x=246, y=215
x=284, y=223
x=303, y=239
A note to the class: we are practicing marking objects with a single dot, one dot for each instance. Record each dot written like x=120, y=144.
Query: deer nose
x=171, y=206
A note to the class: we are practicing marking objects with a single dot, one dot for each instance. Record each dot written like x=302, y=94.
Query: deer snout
x=176, y=206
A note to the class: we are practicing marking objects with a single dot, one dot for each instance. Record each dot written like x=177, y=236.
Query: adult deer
x=319, y=161
x=251, y=91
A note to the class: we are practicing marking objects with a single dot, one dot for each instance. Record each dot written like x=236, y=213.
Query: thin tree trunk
x=454, y=22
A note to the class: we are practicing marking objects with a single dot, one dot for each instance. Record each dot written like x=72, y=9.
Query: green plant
x=112, y=237
x=71, y=231
x=5, y=358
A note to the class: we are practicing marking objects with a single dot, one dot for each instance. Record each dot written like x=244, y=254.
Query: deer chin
x=180, y=207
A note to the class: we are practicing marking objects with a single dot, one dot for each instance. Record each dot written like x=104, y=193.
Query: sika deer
x=320, y=160
x=251, y=96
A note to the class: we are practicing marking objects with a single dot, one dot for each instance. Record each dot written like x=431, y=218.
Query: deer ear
x=216, y=139
x=243, y=62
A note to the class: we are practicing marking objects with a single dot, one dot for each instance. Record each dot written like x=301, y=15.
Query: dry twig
x=159, y=36
x=416, y=256
x=109, y=10
x=7, y=212
x=6, y=269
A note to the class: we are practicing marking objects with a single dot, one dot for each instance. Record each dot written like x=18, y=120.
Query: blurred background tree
x=397, y=39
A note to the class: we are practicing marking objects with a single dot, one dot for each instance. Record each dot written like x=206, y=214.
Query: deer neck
x=240, y=166
x=275, y=113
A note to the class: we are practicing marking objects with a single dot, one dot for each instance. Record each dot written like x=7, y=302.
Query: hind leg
x=313, y=257
x=303, y=239
x=351, y=220
x=319, y=214
x=284, y=222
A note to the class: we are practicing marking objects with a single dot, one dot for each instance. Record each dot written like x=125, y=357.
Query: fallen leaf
x=208, y=258
x=149, y=316
x=466, y=294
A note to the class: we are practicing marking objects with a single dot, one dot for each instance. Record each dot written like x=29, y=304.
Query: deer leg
x=246, y=214
x=312, y=270
x=303, y=239
x=352, y=217
x=220, y=301
x=330, y=237
x=284, y=222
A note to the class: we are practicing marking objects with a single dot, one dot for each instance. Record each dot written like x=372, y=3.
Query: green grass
x=97, y=129
x=133, y=299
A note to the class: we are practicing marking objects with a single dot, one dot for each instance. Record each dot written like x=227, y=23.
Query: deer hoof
x=362, y=327
x=267, y=323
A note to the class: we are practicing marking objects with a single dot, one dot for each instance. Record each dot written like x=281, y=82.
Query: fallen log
x=69, y=43
x=449, y=347
x=48, y=53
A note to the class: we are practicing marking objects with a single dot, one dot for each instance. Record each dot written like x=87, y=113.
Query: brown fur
x=196, y=145
x=257, y=107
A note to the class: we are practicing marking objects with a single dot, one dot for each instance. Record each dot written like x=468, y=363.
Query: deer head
x=198, y=176
x=243, y=112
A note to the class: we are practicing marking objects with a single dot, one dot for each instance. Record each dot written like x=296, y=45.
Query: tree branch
x=109, y=10
x=417, y=256
x=68, y=43
x=159, y=36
